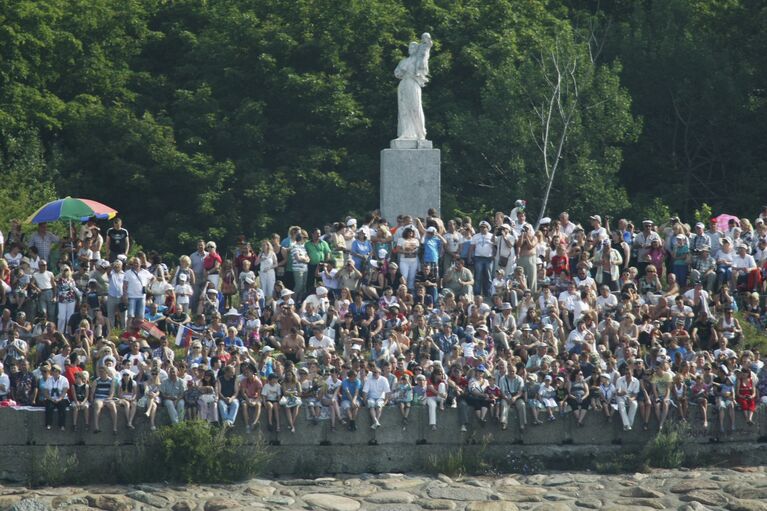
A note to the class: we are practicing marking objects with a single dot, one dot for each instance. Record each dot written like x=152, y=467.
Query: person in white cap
x=598, y=233
x=433, y=249
x=744, y=269
x=453, y=240
x=481, y=255
x=319, y=301
x=643, y=244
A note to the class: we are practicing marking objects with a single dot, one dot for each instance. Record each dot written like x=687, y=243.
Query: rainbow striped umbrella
x=72, y=209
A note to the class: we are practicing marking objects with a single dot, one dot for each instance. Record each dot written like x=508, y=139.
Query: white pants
x=66, y=309
x=434, y=401
x=267, y=282
x=521, y=408
x=631, y=404
x=408, y=267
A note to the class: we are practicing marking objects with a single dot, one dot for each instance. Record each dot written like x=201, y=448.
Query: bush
x=666, y=449
x=196, y=452
x=457, y=462
x=52, y=468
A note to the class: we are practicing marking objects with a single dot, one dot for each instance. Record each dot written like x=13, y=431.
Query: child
x=533, y=398
x=92, y=298
x=699, y=395
x=548, y=396
x=252, y=330
x=403, y=398
x=606, y=396
x=419, y=391
x=467, y=347
x=272, y=392
x=494, y=398
x=21, y=280
x=480, y=353
x=80, y=402
x=184, y=292
x=679, y=396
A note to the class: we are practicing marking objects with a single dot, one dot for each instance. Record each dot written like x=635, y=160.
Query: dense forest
x=220, y=117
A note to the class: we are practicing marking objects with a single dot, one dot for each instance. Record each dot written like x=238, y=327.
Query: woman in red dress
x=746, y=395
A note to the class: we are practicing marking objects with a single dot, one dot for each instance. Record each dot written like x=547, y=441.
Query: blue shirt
x=361, y=247
x=431, y=249
x=229, y=342
x=348, y=388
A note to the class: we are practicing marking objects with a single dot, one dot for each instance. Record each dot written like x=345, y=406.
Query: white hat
x=373, y=263
x=680, y=236
x=122, y=257
x=232, y=312
x=267, y=349
x=212, y=291
x=382, y=253
x=485, y=223
x=548, y=326
x=506, y=226
x=647, y=222
x=699, y=224
x=356, y=347
x=596, y=217
x=526, y=327
x=532, y=377
x=321, y=291
x=506, y=306
x=102, y=263
x=182, y=277
x=482, y=328
x=545, y=220
x=285, y=292
x=431, y=229
x=351, y=221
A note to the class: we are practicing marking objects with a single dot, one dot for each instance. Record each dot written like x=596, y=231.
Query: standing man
x=481, y=253
x=43, y=241
x=318, y=251
x=135, y=283
x=198, y=267
x=642, y=243
x=44, y=281
x=118, y=240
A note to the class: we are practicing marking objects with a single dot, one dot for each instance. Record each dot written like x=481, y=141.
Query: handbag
x=503, y=261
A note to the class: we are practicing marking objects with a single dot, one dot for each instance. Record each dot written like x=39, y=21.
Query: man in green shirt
x=319, y=252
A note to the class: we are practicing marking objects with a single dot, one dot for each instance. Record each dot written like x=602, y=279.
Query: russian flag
x=183, y=337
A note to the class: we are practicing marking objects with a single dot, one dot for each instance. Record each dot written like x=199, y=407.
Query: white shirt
x=598, y=234
x=325, y=343
x=56, y=387
x=454, y=240
x=376, y=388
x=43, y=280
x=606, y=302
x=137, y=280
x=483, y=245
x=745, y=262
x=631, y=389
x=568, y=299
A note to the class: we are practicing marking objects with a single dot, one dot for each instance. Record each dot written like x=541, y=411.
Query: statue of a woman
x=413, y=72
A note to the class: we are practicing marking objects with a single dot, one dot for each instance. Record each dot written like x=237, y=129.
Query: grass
x=753, y=338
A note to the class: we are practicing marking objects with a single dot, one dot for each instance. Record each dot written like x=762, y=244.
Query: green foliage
x=704, y=214
x=52, y=468
x=211, y=119
x=456, y=462
x=199, y=452
x=29, y=181
x=666, y=449
x=753, y=338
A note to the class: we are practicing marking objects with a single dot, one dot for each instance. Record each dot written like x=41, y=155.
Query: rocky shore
x=738, y=489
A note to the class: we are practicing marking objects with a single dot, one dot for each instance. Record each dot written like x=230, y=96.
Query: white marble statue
x=413, y=73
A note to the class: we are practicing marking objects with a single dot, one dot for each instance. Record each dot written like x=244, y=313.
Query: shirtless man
x=293, y=346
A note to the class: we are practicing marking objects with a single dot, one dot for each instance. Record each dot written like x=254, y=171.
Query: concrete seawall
x=317, y=449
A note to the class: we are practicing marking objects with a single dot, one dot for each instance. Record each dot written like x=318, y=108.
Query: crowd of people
x=377, y=318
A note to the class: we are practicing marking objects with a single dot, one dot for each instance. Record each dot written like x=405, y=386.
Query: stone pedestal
x=410, y=181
